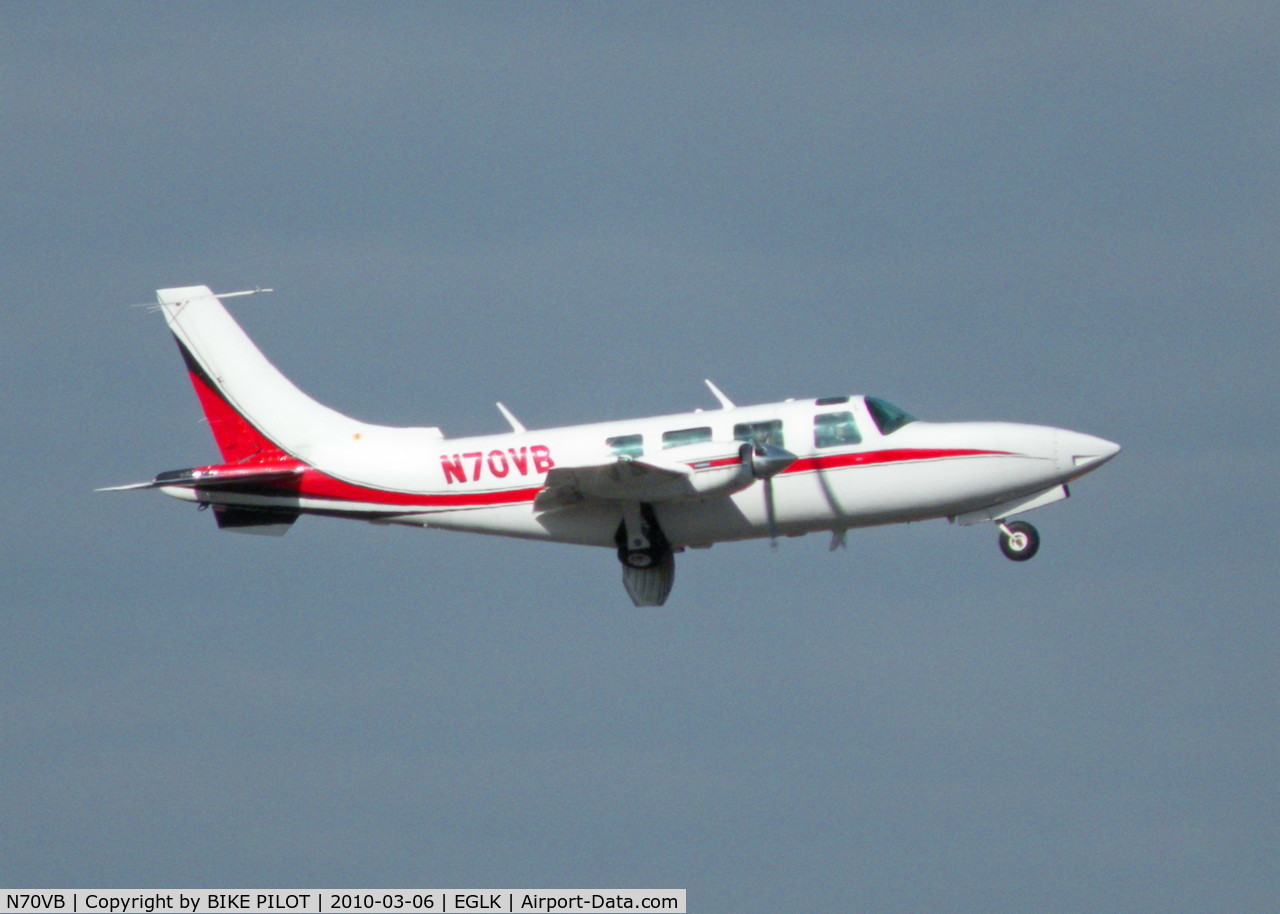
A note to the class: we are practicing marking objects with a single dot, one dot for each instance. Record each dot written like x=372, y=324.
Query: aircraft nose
x=1085, y=452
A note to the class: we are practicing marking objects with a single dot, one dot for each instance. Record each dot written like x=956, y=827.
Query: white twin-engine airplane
x=648, y=488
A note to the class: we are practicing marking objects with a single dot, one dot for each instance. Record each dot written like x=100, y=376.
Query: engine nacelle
x=718, y=468
x=724, y=467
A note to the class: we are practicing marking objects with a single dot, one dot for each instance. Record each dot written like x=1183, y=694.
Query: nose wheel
x=1019, y=540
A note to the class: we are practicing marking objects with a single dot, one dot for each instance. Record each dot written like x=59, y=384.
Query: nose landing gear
x=1019, y=540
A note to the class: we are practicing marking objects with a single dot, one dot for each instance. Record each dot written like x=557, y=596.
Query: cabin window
x=888, y=418
x=830, y=401
x=627, y=445
x=769, y=432
x=835, y=429
x=686, y=436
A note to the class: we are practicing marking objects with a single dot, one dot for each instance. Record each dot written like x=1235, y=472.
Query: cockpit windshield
x=888, y=418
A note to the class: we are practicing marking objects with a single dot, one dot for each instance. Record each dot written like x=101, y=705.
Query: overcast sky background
x=1062, y=213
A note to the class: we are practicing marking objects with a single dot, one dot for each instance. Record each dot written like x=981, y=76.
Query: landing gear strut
x=641, y=542
x=648, y=565
x=1019, y=540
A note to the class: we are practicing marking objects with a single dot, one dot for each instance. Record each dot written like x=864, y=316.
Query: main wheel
x=639, y=558
x=1021, y=542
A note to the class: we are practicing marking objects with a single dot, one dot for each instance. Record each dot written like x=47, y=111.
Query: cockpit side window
x=769, y=432
x=835, y=429
x=887, y=417
x=627, y=445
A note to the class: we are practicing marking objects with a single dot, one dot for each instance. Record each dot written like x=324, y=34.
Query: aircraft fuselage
x=648, y=487
x=488, y=484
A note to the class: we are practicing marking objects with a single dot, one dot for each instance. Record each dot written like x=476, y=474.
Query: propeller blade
x=770, y=512
x=766, y=461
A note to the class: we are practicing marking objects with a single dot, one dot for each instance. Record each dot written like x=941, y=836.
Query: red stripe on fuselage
x=317, y=484
x=313, y=483
x=870, y=458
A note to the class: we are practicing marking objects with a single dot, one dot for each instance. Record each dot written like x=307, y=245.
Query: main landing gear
x=1019, y=540
x=648, y=562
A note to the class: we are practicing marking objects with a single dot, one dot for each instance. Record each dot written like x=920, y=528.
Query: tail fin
x=256, y=414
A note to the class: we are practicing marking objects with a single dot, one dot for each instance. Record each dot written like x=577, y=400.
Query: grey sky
x=1056, y=213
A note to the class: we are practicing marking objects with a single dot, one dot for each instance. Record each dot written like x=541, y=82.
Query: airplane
x=648, y=488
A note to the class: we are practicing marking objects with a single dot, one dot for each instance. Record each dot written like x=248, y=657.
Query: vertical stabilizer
x=256, y=414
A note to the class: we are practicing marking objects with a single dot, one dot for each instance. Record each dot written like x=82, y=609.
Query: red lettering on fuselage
x=452, y=466
x=499, y=463
x=541, y=458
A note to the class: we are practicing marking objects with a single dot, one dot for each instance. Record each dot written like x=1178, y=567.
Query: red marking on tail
x=239, y=440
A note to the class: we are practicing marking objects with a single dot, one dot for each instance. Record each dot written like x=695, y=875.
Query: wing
x=621, y=479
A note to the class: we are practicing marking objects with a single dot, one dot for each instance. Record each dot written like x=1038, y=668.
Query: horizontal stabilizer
x=212, y=477
x=128, y=488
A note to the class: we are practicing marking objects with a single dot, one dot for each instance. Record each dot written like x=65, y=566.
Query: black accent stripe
x=196, y=368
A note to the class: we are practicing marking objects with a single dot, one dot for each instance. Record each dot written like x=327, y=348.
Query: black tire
x=1023, y=544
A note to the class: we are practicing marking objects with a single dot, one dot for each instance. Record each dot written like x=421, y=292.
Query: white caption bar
x=339, y=901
